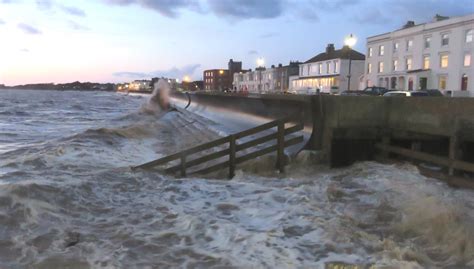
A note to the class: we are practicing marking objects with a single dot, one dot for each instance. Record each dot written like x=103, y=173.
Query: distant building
x=433, y=55
x=192, y=86
x=329, y=71
x=274, y=79
x=140, y=85
x=221, y=79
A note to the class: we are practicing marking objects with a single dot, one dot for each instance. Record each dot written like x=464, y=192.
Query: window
x=320, y=68
x=427, y=42
x=328, y=67
x=443, y=80
x=467, y=59
x=395, y=65
x=369, y=68
x=381, y=50
x=444, y=61
x=395, y=46
x=409, y=44
x=469, y=36
x=408, y=64
x=370, y=52
x=335, y=66
x=444, y=39
x=380, y=67
x=426, y=62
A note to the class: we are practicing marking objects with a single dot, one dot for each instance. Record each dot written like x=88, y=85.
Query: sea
x=68, y=198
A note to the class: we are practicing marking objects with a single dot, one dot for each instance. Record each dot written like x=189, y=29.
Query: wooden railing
x=233, y=148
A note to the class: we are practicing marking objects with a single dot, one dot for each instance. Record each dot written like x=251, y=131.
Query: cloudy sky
x=121, y=40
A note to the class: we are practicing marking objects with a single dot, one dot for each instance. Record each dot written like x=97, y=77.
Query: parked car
x=434, y=92
x=375, y=91
x=406, y=93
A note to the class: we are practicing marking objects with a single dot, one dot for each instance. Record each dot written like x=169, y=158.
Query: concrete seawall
x=346, y=128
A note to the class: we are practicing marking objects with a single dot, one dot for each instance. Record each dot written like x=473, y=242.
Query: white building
x=434, y=55
x=329, y=71
x=263, y=80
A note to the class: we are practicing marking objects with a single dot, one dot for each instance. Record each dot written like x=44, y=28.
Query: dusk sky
x=122, y=40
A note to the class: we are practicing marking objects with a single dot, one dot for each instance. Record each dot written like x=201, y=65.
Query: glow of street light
x=186, y=79
x=350, y=41
x=260, y=62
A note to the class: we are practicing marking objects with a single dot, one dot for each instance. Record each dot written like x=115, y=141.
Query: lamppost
x=350, y=41
x=260, y=65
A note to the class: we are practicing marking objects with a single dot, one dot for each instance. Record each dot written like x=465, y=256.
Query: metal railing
x=185, y=162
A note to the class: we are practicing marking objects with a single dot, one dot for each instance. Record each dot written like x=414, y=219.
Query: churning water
x=69, y=200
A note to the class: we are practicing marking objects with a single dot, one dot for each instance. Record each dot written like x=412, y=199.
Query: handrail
x=186, y=163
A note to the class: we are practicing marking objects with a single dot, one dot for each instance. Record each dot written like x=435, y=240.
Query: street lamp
x=350, y=41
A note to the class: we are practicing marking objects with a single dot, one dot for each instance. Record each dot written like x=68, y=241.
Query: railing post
x=232, y=156
x=183, y=165
x=281, y=146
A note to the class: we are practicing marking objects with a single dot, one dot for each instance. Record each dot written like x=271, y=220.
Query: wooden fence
x=186, y=162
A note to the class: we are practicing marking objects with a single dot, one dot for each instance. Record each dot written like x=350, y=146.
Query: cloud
x=44, y=4
x=248, y=9
x=174, y=72
x=78, y=27
x=2, y=22
x=28, y=29
x=372, y=16
x=73, y=11
x=168, y=8
x=252, y=52
x=268, y=35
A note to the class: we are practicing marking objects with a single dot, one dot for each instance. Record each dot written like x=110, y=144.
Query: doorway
x=464, y=83
x=423, y=83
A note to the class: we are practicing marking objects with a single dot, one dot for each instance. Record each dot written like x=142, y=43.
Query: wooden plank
x=261, y=152
x=257, y=129
x=250, y=156
x=439, y=160
x=232, y=157
x=200, y=160
x=281, y=147
x=269, y=137
x=177, y=155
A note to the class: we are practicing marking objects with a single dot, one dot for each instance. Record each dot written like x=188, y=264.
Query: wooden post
x=183, y=165
x=281, y=146
x=232, y=157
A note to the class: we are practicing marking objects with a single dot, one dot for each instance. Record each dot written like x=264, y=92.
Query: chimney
x=273, y=66
x=438, y=17
x=330, y=48
x=409, y=24
x=280, y=65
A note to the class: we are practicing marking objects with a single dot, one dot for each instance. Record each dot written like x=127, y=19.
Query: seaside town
x=434, y=56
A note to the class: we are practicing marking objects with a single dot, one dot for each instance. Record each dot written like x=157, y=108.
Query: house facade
x=434, y=55
x=221, y=79
x=329, y=71
x=263, y=80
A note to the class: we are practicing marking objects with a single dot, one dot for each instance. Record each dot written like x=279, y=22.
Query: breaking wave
x=69, y=200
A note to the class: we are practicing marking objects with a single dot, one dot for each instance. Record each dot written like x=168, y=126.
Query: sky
x=59, y=41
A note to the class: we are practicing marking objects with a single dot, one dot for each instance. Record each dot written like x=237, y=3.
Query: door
x=410, y=84
x=464, y=83
x=423, y=83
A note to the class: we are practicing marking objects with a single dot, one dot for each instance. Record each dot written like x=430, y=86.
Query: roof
x=344, y=53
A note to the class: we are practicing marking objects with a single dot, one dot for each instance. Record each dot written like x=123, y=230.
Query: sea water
x=68, y=198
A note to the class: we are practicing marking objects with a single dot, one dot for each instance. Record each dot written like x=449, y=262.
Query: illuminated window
x=380, y=67
x=469, y=36
x=395, y=46
x=320, y=68
x=467, y=59
x=427, y=42
x=395, y=65
x=369, y=68
x=381, y=50
x=409, y=44
x=444, y=39
x=409, y=63
x=370, y=52
x=444, y=60
x=426, y=62
x=443, y=81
